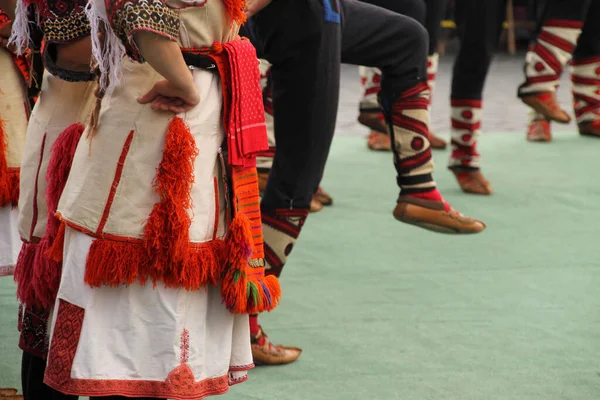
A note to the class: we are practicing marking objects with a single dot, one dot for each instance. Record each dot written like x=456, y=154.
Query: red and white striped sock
x=370, y=80
x=585, y=75
x=549, y=54
x=466, y=129
x=412, y=150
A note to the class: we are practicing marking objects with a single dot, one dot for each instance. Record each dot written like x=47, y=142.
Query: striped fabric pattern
x=548, y=56
x=370, y=80
x=466, y=129
x=585, y=76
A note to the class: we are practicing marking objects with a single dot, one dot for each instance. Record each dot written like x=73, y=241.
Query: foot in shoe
x=379, y=141
x=434, y=215
x=546, y=104
x=589, y=128
x=323, y=197
x=472, y=181
x=266, y=353
x=436, y=142
x=373, y=120
x=315, y=205
x=539, y=131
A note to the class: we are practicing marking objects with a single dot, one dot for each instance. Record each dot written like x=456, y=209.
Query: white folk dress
x=145, y=340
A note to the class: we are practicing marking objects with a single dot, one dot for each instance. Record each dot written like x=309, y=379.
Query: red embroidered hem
x=180, y=383
x=131, y=388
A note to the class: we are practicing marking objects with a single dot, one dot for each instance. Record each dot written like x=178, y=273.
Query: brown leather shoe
x=373, y=120
x=546, y=104
x=589, y=128
x=315, y=205
x=263, y=177
x=539, y=131
x=437, y=142
x=323, y=197
x=265, y=353
x=379, y=141
x=432, y=215
x=9, y=394
x=473, y=181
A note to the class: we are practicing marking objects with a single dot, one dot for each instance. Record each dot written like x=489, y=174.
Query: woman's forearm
x=8, y=6
x=165, y=57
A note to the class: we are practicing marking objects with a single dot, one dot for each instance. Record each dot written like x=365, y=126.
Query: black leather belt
x=199, y=61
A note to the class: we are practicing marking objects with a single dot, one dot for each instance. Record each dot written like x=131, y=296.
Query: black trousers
x=434, y=14
x=479, y=25
x=32, y=380
x=305, y=41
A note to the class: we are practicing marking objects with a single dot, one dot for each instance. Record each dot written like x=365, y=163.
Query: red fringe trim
x=165, y=254
x=166, y=236
x=235, y=10
x=23, y=274
x=9, y=177
x=47, y=267
x=113, y=263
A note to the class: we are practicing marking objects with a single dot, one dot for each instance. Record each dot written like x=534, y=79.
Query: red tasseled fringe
x=55, y=252
x=9, y=177
x=166, y=235
x=269, y=294
x=47, y=265
x=165, y=254
x=235, y=10
x=114, y=263
x=234, y=283
x=24, y=273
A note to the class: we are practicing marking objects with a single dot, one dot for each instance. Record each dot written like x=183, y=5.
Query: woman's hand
x=168, y=97
x=254, y=6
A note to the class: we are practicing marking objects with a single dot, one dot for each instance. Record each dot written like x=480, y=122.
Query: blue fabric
x=332, y=13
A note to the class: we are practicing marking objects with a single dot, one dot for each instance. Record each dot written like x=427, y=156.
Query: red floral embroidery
x=185, y=346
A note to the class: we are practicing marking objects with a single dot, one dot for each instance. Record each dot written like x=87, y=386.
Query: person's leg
x=264, y=161
x=32, y=379
x=479, y=25
x=585, y=74
x=397, y=45
x=302, y=42
x=370, y=113
x=558, y=31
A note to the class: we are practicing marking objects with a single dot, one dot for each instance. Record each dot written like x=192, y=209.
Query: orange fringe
x=234, y=283
x=165, y=254
x=114, y=263
x=9, y=177
x=244, y=288
x=235, y=10
x=166, y=235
